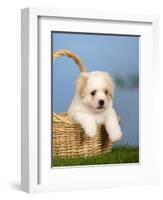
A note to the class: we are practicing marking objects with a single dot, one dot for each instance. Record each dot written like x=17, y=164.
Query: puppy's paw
x=115, y=135
x=113, y=128
x=90, y=129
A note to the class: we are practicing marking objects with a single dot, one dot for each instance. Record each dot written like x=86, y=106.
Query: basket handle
x=75, y=58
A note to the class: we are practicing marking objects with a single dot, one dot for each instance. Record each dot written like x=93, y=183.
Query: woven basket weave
x=68, y=138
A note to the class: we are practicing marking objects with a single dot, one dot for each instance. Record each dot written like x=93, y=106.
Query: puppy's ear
x=81, y=84
x=111, y=84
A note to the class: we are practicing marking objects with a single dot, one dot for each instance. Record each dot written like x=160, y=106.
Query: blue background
x=118, y=55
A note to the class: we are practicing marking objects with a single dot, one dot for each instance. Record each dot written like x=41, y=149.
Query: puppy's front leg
x=87, y=123
x=112, y=126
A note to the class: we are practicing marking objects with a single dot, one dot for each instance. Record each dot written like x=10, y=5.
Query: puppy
x=92, y=104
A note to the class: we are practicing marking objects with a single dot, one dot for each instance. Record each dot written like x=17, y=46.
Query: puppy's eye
x=106, y=91
x=93, y=92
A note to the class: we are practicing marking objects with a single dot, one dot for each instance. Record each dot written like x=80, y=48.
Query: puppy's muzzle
x=101, y=102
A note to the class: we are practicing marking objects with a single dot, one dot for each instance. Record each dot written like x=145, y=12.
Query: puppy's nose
x=101, y=102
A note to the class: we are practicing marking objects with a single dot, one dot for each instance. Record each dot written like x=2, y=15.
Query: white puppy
x=92, y=104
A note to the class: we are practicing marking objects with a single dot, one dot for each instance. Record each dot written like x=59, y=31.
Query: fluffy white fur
x=86, y=109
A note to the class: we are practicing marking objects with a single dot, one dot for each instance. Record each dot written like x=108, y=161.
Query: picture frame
x=36, y=171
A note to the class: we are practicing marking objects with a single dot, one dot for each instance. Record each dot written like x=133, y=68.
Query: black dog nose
x=101, y=102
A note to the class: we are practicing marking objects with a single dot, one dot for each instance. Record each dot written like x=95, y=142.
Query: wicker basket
x=69, y=139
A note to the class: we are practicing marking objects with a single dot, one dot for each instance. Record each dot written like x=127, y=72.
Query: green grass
x=119, y=154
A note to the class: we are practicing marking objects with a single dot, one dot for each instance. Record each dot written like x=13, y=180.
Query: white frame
x=34, y=170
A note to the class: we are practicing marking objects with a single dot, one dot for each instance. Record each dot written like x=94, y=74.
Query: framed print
x=88, y=118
